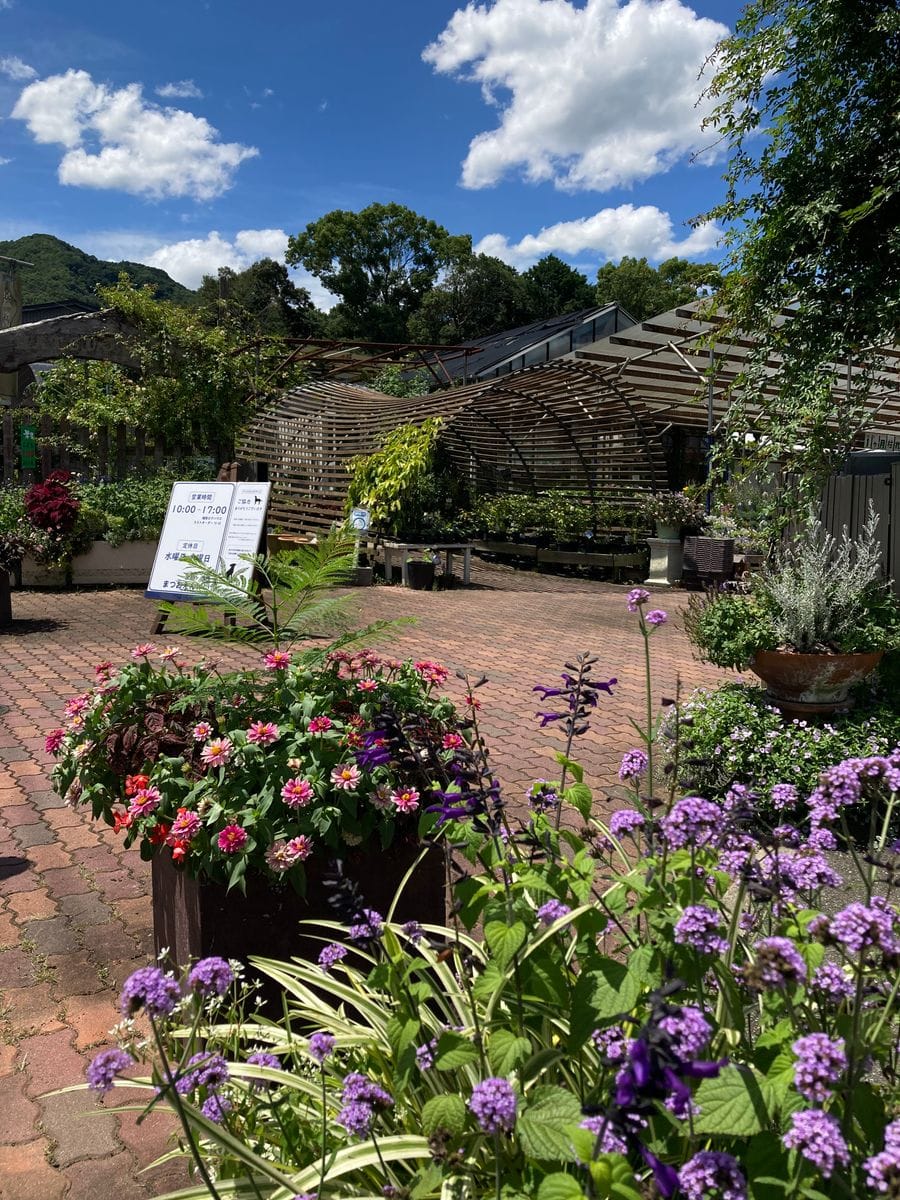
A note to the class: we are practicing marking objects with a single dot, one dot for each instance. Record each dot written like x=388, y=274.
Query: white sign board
x=359, y=519
x=215, y=522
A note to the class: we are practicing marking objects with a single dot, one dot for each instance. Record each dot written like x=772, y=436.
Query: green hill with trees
x=63, y=272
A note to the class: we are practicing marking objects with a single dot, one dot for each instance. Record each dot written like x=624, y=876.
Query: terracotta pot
x=812, y=683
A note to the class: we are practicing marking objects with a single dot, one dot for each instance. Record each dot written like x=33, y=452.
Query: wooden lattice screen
x=555, y=426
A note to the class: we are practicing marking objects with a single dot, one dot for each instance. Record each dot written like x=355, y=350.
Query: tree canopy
x=552, y=287
x=643, y=291
x=380, y=261
x=806, y=95
x=263, y=299
x=476, y=296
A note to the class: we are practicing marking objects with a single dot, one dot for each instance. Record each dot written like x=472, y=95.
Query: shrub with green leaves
x=732, y=734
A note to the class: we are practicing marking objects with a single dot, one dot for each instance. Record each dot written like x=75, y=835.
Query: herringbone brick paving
x=75, y=914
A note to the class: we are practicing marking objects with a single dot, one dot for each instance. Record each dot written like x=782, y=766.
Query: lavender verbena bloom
x=216, y=1108
x=783, y=795
x=552, y=911
x=494, y=1104
x=211, y=977
x=612, y=1045
x=425, y=1055
x=637, y=597
x=859, y=926
x=367, y=928
x=883, y=1170
x=839, y=786
x=777, y=965
x=262, y=1058
x=712, y=1173
x=817, y=1136
x=321, y=1046
x=611, y=1142
x=357, y=1117
x=701, y=928
x=656, y=616
x=152, y=989
x=634, y=764
x=625, y=821
x=689, y=1032
x=831, y=983
x=809, y=871
x=359, y=1089
x=692, y=821
x=820, y=1064
x=331, y=954
x=413, y=931
x=202, y=1070
x=103, y=1069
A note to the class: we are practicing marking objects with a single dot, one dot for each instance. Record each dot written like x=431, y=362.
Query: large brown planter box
x=127, y=563
x=192, y=920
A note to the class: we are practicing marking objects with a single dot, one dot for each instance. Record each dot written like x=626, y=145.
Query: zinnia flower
x=276, y=660
x=367, y=685
x=201, y=731
x=146, y=800
x=54, y=740
x=185, y=826
x=319, y=725
x=297, y=793
x=405, y=801
x=144, y=650
x=217, y=752
x=451, y=741
x=169, y=654
x=232, y=839
x=345, y=777
x=263, y=733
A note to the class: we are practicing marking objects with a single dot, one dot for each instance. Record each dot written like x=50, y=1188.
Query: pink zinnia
x=169, y=654
x=263, y=733
x=451, y=741
x=216, y=752
x=300, y=847
x=103, y=671
x=297, y=793
x=432, y=672
x=368, y=685
x=232, y=839
x=319, y=724
x=201, y=731
x=77, y=705
x=144, y=650
x=405, y=801
x=345, y=777
x=145, y=800
x=185, y=827
x=276, y=660
x=54, y=740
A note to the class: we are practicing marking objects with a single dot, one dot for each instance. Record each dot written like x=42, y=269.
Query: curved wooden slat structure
x=554, y=426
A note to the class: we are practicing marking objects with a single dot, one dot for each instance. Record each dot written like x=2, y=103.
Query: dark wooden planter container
x=193, y=919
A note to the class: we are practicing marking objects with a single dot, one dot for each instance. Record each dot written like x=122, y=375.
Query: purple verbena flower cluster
x=331, y=954
x=321, y=1046
x=361, y=1100
x=104, y=1067
x=700, y=928
x=817, y=1136
x=692, y=821
x=883, y=1170
x=612, y=1044
x=425, y=1055
x=777, y=965
x=820, y=1064
x=494, y=1104
x=211, y=977
x=204, y=1070
x=625, y=821
x=262, y=1058
x=151, y=989
x=712, y=1173
x=366, y=929
x=860, y=926
x=552, y=911
x=634, y=764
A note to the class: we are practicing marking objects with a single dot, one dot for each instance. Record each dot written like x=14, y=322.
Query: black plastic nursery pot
x=420, y=574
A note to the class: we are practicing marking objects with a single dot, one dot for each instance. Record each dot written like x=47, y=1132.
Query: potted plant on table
x=670, y=512
x=243, y=786
x=815, y=622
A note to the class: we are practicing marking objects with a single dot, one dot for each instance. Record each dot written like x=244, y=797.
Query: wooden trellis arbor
x=554, y=426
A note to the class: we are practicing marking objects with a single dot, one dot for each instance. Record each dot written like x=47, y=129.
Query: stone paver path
x=75, y=916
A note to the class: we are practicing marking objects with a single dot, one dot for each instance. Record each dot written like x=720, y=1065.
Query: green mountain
x=63, y=272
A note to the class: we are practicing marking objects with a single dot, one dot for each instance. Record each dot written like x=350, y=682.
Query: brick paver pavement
x=74, y=907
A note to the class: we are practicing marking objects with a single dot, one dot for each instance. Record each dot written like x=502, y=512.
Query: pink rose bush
x=259, y=768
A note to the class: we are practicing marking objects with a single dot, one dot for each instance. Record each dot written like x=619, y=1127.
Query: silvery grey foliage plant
x=818, y=585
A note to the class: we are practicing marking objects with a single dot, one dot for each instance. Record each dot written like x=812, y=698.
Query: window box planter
x=127, y=563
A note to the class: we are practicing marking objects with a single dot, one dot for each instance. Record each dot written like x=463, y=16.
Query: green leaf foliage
x=444, y=1113
x=543, y=1127
x=733, y=1103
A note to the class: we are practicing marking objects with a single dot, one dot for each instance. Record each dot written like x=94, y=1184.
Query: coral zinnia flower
x=405, y=801
x=232, y=839
x=345, y=777
x=276, y=660
x=319, y=724
x=217, y=752
x=263, y=733
x=297, y=793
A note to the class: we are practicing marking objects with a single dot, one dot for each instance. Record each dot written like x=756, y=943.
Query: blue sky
x=197, y=134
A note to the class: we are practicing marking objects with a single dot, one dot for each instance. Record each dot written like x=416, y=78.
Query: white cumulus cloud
x=182, y=89
x=611, y=233
x=189, y=259
x=592, y=97
x=14, y=68
x=115, y=139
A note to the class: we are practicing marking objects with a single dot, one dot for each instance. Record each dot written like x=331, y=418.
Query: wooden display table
x=448, y=549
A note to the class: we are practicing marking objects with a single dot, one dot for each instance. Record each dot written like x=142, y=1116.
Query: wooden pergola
x=553, y=426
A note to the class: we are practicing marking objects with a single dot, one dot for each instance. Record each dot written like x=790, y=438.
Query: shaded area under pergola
x=551, y=427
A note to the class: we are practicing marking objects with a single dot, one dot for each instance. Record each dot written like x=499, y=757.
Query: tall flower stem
x=324, y=1132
